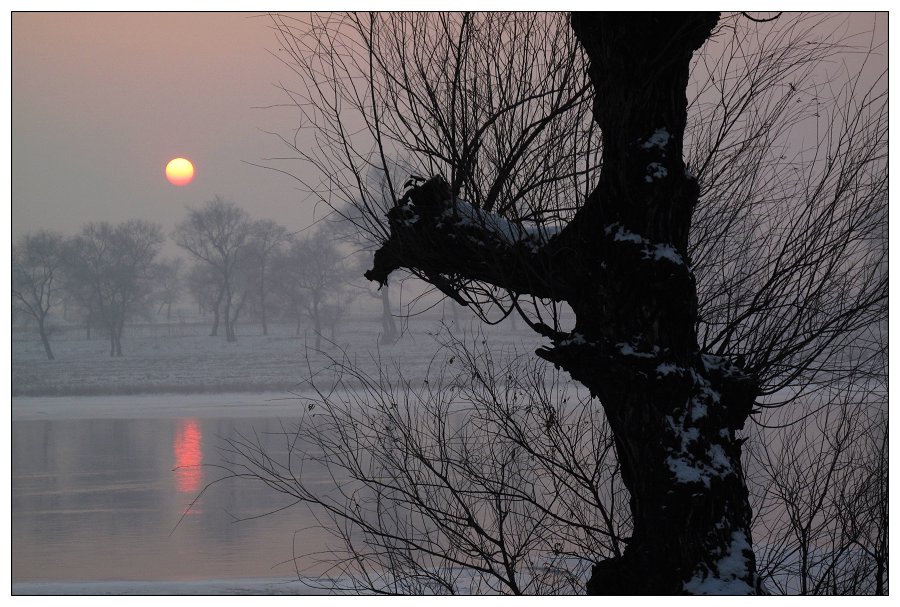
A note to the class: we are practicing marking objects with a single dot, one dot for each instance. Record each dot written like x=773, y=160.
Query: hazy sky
x=102, y=101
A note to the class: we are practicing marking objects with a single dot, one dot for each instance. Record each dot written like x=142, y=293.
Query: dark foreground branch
x=446, y=239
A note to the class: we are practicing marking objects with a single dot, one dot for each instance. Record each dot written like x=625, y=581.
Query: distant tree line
x=239, y=267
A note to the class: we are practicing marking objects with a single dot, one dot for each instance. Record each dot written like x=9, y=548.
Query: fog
x=156, y=327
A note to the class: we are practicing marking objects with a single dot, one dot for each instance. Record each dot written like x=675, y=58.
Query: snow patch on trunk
x=664, y=369
x=660, y=251
x=732, y=566
x=693, y=466
x=659, y=139
x=655, y=170
x=623, y=235
x=667, y=252
x=627, y=349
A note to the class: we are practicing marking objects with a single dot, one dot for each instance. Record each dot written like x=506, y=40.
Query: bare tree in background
x=217, y=234
x=36, y=279
x=117, y=262
x=169, y=284
x=81, y=297
x=311, y=278
x=745, y=279
x=344, y=228
x=267, y=238
x=389, y=332
x=203, y=284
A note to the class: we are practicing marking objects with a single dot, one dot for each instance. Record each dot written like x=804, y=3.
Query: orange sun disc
x=180, y=171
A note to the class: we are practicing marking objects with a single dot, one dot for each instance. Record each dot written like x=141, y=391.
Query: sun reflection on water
x=188, y=450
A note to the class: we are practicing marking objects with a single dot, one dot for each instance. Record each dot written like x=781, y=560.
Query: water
x=101, y=499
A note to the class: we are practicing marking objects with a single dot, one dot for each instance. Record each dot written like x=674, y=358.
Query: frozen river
x=101, y=480
x=99, y=485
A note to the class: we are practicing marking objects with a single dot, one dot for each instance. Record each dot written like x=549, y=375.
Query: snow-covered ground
x=185, y=359
x=235, y=587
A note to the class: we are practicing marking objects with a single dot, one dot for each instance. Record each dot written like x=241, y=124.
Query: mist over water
x=120, y=487
x=110, y=499
x=121, y=472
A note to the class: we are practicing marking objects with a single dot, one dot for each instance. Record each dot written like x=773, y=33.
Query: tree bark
x=622, y=265
x=675, y=418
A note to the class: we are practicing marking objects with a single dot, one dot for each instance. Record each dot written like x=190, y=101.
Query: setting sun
x=180, y=171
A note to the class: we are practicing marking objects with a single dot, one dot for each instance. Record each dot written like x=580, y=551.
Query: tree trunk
x=229, y=328
x=317, y=325
x=45, y=339
x=216, y=308
x=388, y=326
x=673, y=411
x=120, y=329
x=231, y=319
x=115, y=338
x=621, y=263
x=880, y=570
x=215, y=326
x=262, y=305
x=230, y=335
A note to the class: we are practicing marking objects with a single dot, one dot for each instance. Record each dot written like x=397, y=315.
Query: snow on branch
x=436, y=234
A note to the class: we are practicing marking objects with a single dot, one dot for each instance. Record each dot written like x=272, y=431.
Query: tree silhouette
x=36, y=267
x=746, y=280
x=117, y=262
x=217, y=234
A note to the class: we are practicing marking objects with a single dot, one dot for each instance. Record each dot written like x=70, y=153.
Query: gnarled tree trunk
x=621, y=264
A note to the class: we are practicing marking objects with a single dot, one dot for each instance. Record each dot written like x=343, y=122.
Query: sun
x=180, y=171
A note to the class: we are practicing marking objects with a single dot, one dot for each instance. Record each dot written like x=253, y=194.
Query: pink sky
x=102, y=101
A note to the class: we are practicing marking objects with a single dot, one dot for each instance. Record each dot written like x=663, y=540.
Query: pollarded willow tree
x=748, y=278
x=620, y=263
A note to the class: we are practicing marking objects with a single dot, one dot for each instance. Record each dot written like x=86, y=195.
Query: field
x=184, y=359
